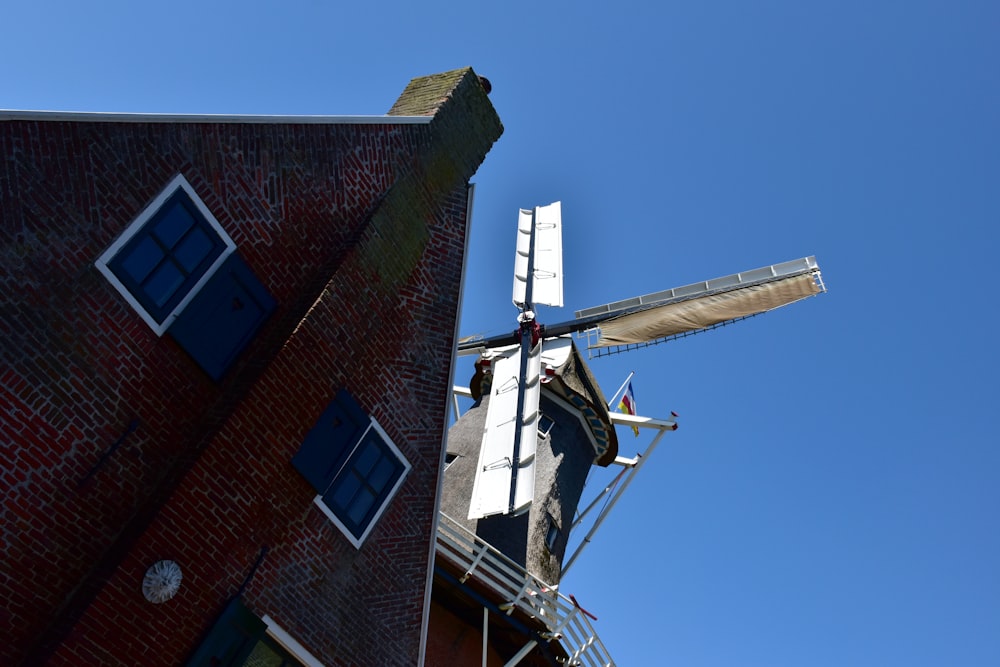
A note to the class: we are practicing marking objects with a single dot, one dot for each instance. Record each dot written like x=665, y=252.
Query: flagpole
x=615, y=395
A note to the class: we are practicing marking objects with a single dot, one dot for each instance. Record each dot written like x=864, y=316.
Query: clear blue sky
x=832, y=497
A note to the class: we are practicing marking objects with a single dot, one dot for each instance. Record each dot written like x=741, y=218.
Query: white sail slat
x=547, y=283
x=491, y=488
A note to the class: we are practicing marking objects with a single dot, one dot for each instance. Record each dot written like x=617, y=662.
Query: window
x=354, y=466
x=551, y=535
x=545, y=424
x=166, y=254
x=240, y=639
x=180, y=271
x=371, y=471
x=269, y=653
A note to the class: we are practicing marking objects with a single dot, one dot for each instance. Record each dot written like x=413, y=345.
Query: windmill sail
x=498, y=470
x=702, y=305
x=703, y=312
x=694, y=307
x=542, y=259
x=505, y=475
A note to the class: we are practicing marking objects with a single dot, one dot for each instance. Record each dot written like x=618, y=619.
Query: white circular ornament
x=162, y=581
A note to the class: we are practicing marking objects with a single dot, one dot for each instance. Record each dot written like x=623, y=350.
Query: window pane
x=344, y=489
x=193, y=250
x=263, y=656
x=142, y=259
x=369, y=455
x=173, y=225
x=163, y=283
x=268, y=653
x=359, y=508
x=381, y=475
x=551, y=536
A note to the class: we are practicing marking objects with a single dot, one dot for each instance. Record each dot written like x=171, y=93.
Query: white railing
x=515, y=588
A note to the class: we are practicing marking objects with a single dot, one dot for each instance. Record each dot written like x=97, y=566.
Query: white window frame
x=178, y=182
x=318, y=500
x=542, y=417
x=289, y=643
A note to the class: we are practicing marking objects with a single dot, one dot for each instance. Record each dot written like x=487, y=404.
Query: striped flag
x=627, y=405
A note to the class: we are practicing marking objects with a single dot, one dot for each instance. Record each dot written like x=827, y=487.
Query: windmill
x=522, y=362
x=517, y=461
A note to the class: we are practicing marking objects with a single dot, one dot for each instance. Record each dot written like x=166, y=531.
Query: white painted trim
x=643, y=422
x=577, y=413
x=289, y=644
x=453, y=367
x=137, y=224
x=318, y=500
x=113, y=117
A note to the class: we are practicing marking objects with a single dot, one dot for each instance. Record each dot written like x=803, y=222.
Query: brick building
x=225, y=353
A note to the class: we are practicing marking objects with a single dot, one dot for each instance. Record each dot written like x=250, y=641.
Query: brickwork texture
x=117, y=450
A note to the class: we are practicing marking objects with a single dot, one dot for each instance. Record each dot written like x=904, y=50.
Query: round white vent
x=162, y=581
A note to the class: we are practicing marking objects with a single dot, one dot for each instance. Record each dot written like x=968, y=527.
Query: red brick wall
x=457, y=641
x=364, y=215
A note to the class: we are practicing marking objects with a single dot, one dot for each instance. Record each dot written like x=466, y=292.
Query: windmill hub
x=531, y=326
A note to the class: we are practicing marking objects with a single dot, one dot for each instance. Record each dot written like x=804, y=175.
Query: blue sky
x=832, y=495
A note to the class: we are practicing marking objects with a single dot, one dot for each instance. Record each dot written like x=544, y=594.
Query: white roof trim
x=111, y=117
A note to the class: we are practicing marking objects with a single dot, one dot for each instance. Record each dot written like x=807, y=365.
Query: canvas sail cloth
x=701, y=312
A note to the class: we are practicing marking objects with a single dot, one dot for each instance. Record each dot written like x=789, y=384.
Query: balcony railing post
x=517, y=587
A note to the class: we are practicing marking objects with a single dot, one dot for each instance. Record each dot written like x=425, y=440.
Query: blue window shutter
x=327, y=446
x=223, y=317
x=231, y=639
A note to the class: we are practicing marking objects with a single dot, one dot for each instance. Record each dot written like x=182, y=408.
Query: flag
x=627, y=405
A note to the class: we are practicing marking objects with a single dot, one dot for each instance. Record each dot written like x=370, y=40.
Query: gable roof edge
x=117, y=117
